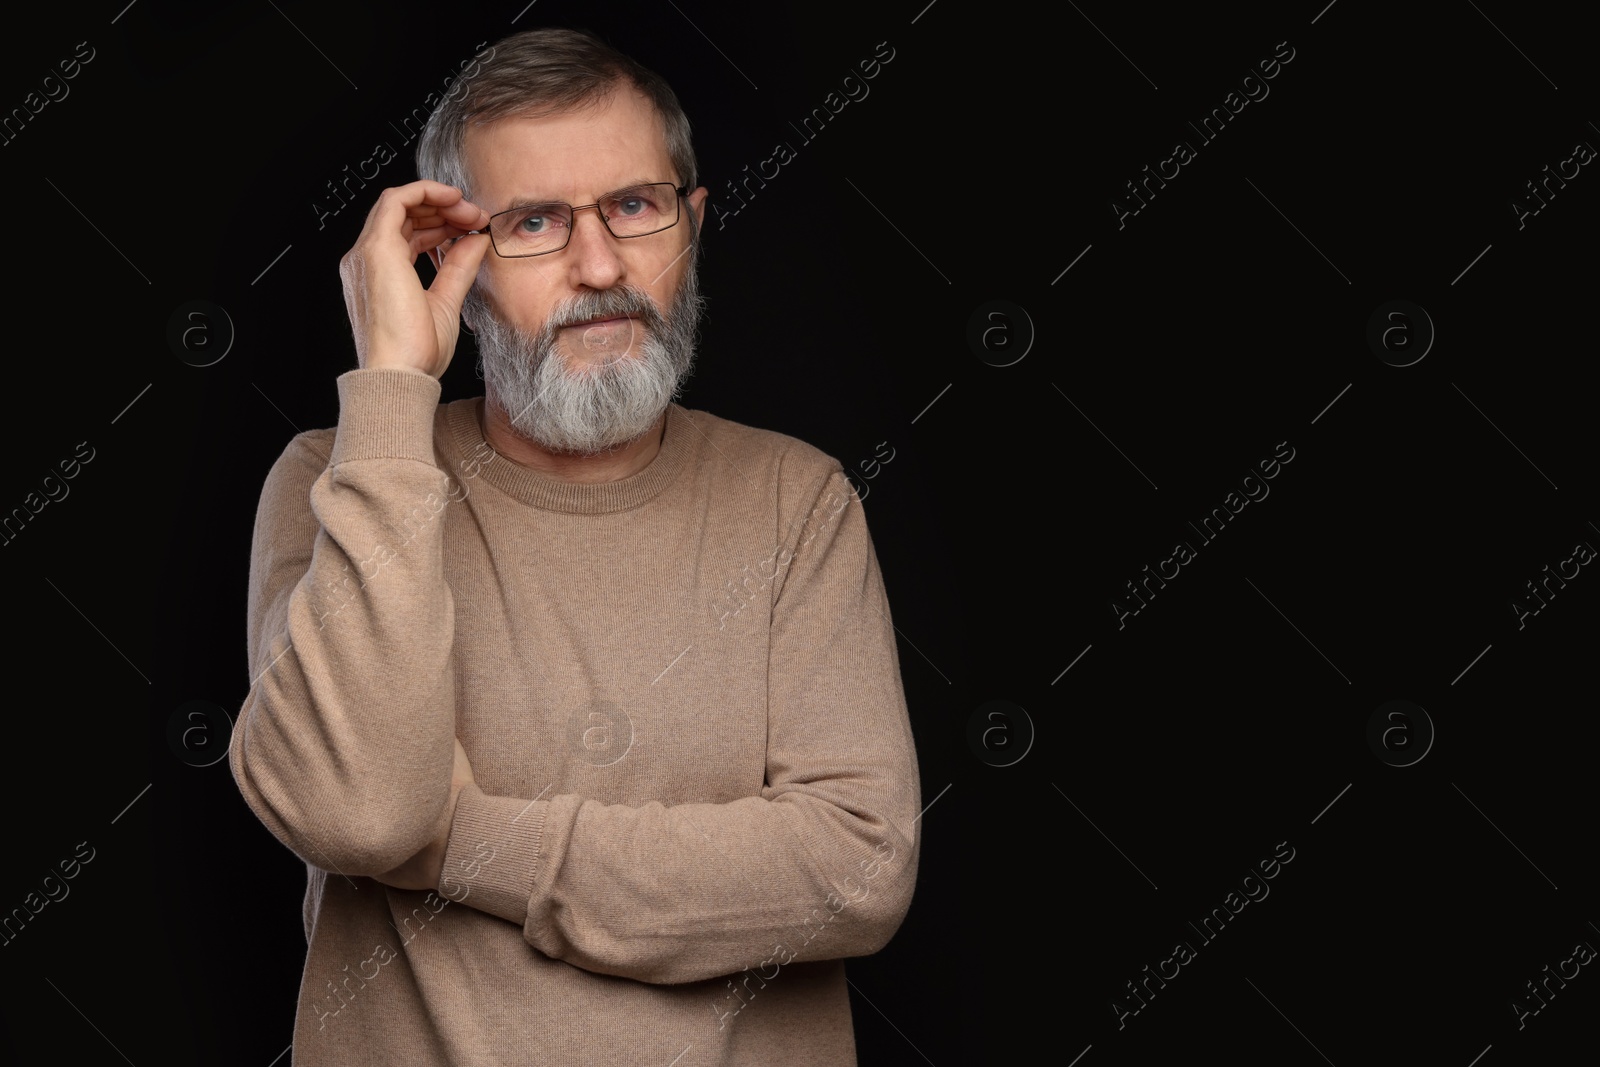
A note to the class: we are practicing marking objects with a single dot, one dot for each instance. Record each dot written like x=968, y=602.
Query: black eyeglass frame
x=681, y=191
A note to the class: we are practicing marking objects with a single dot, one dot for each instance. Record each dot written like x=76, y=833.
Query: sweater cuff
x=493, y=852
x=385, y=414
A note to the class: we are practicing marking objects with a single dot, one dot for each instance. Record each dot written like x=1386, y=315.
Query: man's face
x=583, y=348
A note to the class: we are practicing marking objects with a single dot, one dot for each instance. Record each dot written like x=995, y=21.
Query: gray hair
x=542, y=72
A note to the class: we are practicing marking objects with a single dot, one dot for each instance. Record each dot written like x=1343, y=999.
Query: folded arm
x=820, y=865
x=345, y=742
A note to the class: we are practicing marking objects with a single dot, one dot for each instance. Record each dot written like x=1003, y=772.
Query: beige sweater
x=680, y=694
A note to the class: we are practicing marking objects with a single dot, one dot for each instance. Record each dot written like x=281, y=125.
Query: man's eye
x=633, y=205
x=534, y=224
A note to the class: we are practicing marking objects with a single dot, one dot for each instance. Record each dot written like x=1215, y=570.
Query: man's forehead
x=594, y=148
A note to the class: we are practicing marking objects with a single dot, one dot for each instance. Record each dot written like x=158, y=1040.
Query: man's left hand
x=423, y=870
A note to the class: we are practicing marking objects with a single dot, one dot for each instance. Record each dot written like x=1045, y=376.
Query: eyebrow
x=527, y=202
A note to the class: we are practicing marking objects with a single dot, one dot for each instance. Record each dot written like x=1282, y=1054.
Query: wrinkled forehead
x=575, y=154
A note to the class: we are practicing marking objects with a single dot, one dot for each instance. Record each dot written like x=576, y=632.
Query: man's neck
x=623, y=462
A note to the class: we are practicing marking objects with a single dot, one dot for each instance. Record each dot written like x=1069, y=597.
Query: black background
x=1176, y=352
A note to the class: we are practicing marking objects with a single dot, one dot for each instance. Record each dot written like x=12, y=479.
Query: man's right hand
x=398, y=324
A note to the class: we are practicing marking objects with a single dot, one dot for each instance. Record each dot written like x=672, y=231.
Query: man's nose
x=592, y=251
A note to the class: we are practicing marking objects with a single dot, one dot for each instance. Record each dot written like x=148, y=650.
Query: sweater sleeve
x=345, y=742
x=820, y=865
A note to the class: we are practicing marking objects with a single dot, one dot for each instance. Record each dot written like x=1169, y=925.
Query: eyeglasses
x=539, y=229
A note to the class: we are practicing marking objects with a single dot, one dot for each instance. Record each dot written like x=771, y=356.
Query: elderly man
x=583, y=709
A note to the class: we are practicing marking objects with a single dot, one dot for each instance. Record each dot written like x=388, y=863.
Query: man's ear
x=436, y=254
x=467, y=310
x=697, y=204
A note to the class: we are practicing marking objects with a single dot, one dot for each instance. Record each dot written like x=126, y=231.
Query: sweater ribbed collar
x=465, y=440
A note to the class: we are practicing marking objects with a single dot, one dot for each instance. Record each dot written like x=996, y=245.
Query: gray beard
x=589, y=411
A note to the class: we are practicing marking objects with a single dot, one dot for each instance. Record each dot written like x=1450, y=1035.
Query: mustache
x=613, y=303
